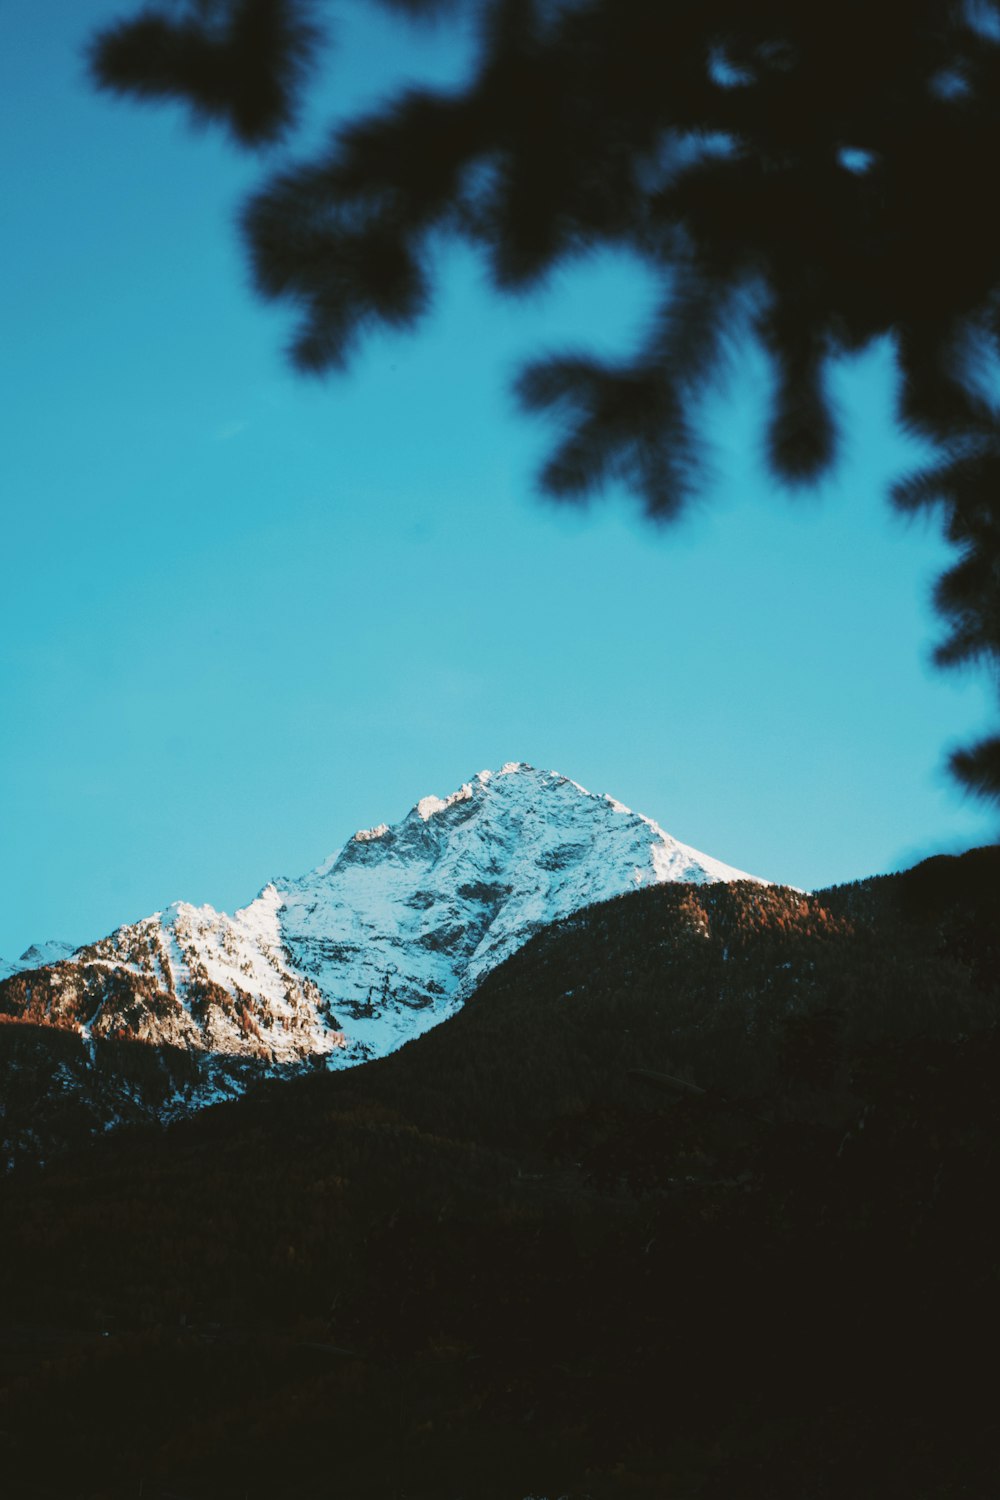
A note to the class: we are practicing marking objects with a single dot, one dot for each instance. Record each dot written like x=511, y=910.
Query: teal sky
x=244, y=614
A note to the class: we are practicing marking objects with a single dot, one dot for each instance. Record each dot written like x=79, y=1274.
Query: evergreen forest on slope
x=693, y=1198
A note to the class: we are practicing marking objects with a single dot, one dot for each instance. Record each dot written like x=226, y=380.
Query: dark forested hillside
x=58, y=1088
x=693, y=1198
x=756, y=991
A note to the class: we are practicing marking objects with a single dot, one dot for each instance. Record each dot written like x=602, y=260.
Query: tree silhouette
x=813, y=177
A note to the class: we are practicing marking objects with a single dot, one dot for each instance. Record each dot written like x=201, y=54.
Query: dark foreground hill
x=693, y=1198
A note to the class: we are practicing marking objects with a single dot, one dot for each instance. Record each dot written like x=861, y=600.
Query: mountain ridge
x=382, y=940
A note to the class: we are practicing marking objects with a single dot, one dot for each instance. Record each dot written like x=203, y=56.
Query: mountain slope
x=509, y=1267
x=379, y=943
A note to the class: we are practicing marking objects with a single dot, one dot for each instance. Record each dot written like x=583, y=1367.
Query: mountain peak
x=515, y=779
x=52, y=951
x=482, y=781
x=390, y=934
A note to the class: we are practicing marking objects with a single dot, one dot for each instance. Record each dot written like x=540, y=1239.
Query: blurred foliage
x=813, y=178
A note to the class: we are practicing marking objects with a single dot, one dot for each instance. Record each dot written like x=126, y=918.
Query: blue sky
x=244, y=614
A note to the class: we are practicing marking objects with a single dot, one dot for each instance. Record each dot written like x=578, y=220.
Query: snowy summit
x=381, y=941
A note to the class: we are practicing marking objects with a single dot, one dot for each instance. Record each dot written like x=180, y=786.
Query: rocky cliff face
x=379, y=943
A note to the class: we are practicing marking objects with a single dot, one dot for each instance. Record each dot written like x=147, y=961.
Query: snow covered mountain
x=49, y=952
x=382, y=941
